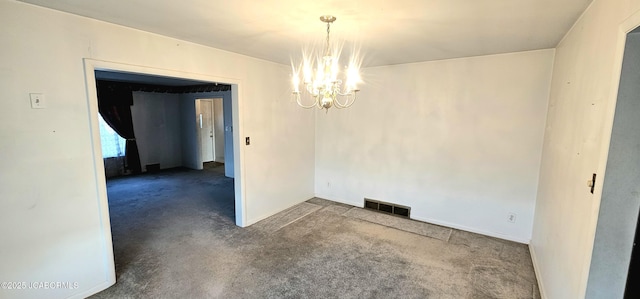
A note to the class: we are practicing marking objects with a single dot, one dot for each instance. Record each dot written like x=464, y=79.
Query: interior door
x=205, y=115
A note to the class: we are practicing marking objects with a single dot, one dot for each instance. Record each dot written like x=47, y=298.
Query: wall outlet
x=511, y=217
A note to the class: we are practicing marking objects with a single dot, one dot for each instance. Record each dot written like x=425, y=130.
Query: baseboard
x=536, y=270
x=443, y=223
x=253, y=221
x=262, y=217
x=327, y=197
x=473, y=230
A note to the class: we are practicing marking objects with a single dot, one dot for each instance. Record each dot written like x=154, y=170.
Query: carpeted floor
x=174, y=237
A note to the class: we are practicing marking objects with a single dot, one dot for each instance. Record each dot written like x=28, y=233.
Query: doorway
x=204, y=109
x=612, y=271
x=235, y=130
x=210, y=114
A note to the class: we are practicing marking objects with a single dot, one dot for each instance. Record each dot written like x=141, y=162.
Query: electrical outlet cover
x=37, y=100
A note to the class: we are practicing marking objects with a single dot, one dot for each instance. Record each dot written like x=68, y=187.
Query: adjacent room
x=461, y=149
x=163, y=146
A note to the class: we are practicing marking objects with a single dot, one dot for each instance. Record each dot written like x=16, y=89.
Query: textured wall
x=156, y=123
x=578, y=129
x=459, y=141
x=620, y=202
x=53, y=219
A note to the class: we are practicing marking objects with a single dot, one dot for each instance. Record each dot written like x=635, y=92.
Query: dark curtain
x=114, y=104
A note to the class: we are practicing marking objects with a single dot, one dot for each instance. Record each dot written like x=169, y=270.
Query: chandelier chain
x=328, y=45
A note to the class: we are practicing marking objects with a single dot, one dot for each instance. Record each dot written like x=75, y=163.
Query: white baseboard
x=473, y=230
x=327, y=197
x=252, y=221
x=443, y=223
x=534, y=259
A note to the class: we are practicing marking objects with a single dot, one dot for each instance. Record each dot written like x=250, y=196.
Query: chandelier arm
x=299, y=101
x=350, y=99
x=344, y=94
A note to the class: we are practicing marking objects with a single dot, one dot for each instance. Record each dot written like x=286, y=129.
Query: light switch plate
x=37, y=100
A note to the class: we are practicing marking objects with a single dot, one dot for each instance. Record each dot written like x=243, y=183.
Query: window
x=112, y=144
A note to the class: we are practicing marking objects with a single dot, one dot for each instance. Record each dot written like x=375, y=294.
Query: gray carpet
x=174, y=237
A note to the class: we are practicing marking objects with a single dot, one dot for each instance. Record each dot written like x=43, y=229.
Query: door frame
x=198, y=103
x=90, y=66
x=630, y=24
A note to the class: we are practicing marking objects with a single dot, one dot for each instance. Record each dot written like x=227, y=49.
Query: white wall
x=156, y=124
x=581, y=105
x=459, y=141
x=620, y=202
x=189, y=134
x=51, y=221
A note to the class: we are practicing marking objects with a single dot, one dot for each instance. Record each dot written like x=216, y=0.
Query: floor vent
x=386, y=207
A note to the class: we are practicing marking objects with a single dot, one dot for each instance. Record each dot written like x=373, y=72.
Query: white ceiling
x=387, y=31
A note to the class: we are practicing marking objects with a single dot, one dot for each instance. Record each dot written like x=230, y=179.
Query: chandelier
x=321, y=79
